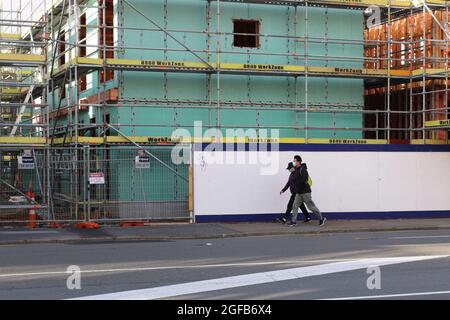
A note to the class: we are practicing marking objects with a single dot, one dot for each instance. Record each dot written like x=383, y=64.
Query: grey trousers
x=307, y=200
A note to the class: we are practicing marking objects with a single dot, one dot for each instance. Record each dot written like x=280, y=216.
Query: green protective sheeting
x=192, y=15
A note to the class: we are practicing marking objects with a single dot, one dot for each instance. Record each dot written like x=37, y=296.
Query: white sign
x=96, y=178
x=142, y=162
x=25, y=162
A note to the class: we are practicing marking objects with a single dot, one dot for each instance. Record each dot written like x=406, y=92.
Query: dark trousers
x=290, y=205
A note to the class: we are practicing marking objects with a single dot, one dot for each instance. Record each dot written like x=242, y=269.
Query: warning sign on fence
x=96, y=178
x=142, y=162
x=25, y=162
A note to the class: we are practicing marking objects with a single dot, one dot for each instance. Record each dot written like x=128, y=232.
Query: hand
x=281, y=192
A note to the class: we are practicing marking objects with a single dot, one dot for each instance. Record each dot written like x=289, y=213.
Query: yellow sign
x=269, y=67
x=348, y=70
x=437, y=123
x=157, y=63
x=347, y=141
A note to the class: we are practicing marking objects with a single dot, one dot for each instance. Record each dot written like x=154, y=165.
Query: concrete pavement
x=174, y=231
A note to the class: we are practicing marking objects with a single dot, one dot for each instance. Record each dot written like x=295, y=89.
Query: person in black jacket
x=290, y=185
x=303, y=192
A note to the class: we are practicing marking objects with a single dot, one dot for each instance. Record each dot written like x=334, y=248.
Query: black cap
x=290, y=166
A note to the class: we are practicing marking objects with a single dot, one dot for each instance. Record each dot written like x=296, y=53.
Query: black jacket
x=300, y=180
x=290, y=184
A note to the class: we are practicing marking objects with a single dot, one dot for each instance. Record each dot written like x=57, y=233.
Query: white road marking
x=241, y=264
x=252, y=279
x=421, y=237
x=27, y=232
x=393, y=295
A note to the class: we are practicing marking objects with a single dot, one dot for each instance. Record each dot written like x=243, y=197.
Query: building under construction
x=91, y=91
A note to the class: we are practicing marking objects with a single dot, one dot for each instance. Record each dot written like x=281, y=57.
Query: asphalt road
x=412, y=265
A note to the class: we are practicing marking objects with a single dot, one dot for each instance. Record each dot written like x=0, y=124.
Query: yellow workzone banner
x=429, y=71
x=429, y=141
x=437, y=123
x=162, y=64
x=22, y=140
x=176, y=140
x=201, y=66
x=261, y=67
x=347, y=141
x=157, y=64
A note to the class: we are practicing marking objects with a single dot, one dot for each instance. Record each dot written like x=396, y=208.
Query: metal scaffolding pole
x=306, y=73
x=389, y=54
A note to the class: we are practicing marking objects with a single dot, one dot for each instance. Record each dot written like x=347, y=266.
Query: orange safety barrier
x=127, y=224
x=87, y=225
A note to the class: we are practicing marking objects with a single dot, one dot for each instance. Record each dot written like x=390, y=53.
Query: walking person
x=303, y=192
x=291, y=186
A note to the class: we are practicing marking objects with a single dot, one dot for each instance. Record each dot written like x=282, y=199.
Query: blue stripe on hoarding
x=327, y=147
x=328, y=215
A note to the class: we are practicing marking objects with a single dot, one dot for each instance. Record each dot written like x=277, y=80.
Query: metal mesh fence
x=21, y=184
x=95, y=183
x=118, y=183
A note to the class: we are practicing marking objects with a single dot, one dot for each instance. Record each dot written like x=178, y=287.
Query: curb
x=217, y=236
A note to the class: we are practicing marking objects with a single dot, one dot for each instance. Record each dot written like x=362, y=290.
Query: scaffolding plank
x=9, y=71
x=10, y=36
x=429, y=141
x=173, y=140
x=247, y=68
x=21, y=58
x=12, y=91
x=22, y=140
x=11, y=115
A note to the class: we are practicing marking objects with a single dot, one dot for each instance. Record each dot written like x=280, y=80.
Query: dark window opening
x=82, y=83
x=106, y=23
x=93, y=131
x=62, y=92
x=62, y=49
x=248, y=33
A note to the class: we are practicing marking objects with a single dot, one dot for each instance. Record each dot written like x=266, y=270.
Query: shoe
x=322, y=222
x=307, y=219
x=282, y=220
x=291, y=224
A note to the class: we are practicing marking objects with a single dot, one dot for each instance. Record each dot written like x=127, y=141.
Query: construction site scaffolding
x=46, y=56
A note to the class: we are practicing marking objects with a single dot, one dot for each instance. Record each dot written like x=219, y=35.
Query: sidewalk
x=165, y=232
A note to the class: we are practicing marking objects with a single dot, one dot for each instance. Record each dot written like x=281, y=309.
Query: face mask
x=294, y=163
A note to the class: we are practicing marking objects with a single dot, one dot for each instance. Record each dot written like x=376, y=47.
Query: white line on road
x=241, y=264
x=392, y=295
x=27, y=232
x=252, y=279
x=421, y=237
